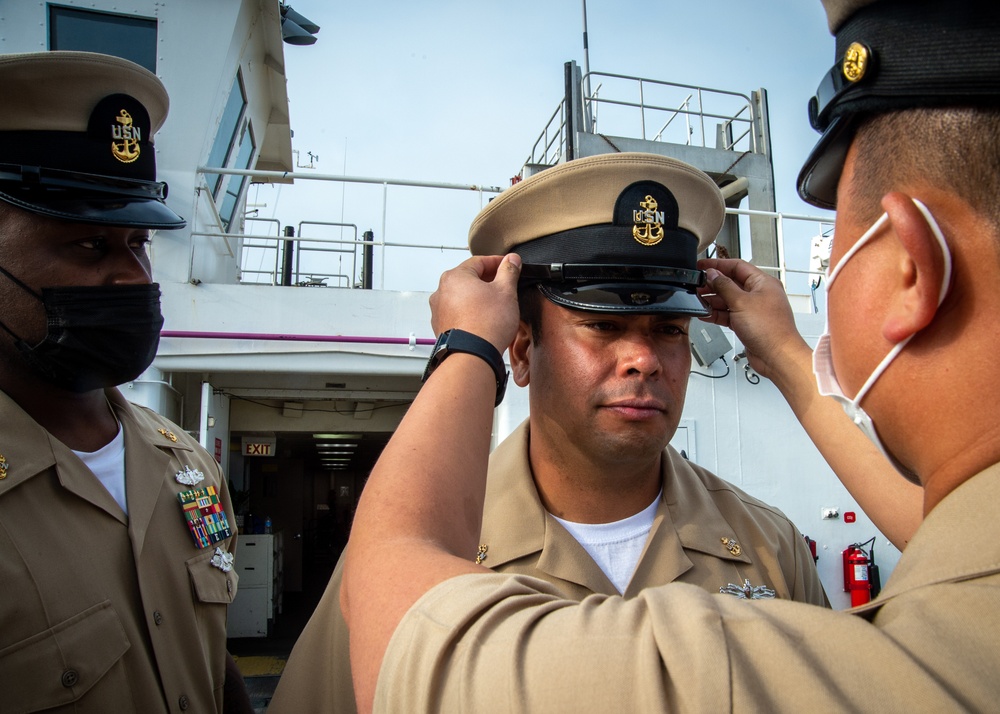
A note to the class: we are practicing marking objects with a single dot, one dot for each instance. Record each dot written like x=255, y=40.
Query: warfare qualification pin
x=189, y=476
x=746, y=591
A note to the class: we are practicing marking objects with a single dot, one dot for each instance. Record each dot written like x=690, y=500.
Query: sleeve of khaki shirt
x=501, y=643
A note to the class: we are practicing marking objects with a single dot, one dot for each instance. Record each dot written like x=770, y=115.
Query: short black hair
x=955, y=148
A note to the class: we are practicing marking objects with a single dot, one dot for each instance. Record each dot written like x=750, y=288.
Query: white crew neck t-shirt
x=615, y=547
x=108, y=465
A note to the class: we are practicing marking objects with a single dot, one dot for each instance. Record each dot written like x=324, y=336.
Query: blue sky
x=459, y=91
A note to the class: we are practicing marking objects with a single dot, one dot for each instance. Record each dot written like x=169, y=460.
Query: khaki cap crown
x=584, y=192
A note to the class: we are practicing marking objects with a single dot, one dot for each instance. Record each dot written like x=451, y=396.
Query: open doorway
x=295, y=494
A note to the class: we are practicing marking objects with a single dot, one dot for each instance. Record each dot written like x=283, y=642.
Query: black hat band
x=580, y=273
x=614, y=245
x=920, y=53
x=78, y=152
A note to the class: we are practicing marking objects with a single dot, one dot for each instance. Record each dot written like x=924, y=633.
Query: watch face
x=437, y=354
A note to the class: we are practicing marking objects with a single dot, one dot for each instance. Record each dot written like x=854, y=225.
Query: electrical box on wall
x=708, y=342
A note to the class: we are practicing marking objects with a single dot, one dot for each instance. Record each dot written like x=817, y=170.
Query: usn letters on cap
x=121, y=123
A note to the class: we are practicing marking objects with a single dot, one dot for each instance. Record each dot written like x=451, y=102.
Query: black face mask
x=97, y=337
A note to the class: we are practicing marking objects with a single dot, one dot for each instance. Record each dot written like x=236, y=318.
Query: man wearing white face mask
x=754, y=305
x=914, y=117
x=826, y=377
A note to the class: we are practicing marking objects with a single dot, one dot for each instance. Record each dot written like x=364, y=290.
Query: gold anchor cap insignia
x=856, y=61
x=167, y=434
x=3, y=467
x=648, y=228
x=125, y=138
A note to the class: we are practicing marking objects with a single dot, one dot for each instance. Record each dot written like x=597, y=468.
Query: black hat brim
x=127, y=212
x=820, y=174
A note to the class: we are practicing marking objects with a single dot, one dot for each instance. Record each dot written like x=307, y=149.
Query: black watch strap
x=451, y=341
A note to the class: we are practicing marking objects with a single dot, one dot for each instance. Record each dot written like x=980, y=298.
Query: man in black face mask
x=116, y=528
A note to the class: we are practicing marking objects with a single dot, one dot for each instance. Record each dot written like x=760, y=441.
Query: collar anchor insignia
x=746, y=591
x=734, y=548
x=481, y=555
x=3, y=467
x=189, y=476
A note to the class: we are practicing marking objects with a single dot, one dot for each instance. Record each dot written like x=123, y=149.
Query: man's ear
x=920, y=270
x=520, y=355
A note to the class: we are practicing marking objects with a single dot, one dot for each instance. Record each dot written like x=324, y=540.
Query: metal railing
x=643, y=99
x=795, y=230
x=254, y=244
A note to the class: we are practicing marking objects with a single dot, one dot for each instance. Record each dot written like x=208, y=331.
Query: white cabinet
x=258, y=599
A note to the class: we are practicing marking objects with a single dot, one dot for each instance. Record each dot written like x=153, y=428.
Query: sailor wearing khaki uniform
x=117, y=537
x=910, y=157
x=705, y=532
x=587, y=494
x=75, y=632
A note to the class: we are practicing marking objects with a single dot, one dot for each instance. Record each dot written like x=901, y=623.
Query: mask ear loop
x=24, y=287
x=19, y=283
x=942, y=293
x=868, y=235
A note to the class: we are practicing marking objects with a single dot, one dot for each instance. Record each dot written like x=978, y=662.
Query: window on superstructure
x=225, y=145
x=126, y=36
x=234, y=185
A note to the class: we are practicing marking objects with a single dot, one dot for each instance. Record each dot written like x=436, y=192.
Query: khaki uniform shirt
x=102, y=611
x=685, y=544
x=927, y=643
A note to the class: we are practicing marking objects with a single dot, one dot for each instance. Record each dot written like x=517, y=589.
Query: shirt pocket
x=211, y=584
x=59, y=666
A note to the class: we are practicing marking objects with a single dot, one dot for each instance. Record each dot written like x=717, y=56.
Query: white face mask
x=826, y=378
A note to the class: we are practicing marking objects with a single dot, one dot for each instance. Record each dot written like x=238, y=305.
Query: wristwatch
x=451, y=341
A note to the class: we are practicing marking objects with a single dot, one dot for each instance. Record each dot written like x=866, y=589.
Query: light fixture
x=297, y=29
x=305, y=23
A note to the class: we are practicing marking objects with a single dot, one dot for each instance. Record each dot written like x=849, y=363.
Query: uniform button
x=70, y=678
x=183, y=702
x=157, y=617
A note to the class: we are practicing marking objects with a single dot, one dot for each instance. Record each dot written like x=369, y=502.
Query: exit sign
x=259, y=445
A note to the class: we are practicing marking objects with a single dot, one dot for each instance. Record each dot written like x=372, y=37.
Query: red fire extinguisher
x=856, y=575
x=861, y=576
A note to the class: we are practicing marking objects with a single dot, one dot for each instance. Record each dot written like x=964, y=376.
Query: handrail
x=348, y=179
x=385, y=182
x=591, y=102
x=351, y=243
